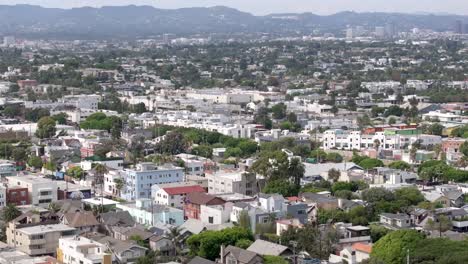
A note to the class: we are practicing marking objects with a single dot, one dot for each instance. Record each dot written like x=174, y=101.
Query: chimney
x=222, y=254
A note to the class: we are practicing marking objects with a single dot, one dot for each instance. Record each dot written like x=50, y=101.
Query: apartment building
x=40, y=190
x=3, y=196
x=37, y=240
x=173, y=194
x=81, y=250
x=145, y=212
x=138, y=181
x=389, y=139
x=232, y=182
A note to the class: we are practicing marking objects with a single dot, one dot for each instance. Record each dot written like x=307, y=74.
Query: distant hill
x=144, y=21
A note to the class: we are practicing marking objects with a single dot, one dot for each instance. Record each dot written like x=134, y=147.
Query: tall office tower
x=380, y=32
x=390, y=30
x=459, y=27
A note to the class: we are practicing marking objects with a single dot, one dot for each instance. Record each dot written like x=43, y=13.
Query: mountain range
x=146, y=21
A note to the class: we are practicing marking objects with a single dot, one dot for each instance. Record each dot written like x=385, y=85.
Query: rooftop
x=41, y=229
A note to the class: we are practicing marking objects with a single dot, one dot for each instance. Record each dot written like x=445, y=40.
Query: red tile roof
x=367, y=248
x=183, y=189
x=294, y=199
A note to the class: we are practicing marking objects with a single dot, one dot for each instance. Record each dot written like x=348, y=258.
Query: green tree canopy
x=392, y=248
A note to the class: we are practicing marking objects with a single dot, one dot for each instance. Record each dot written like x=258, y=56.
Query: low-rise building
x=174, y=194
x=81, y=250
x=145, y=212
x=37, y=239
x=40, y=190
x=232, y=182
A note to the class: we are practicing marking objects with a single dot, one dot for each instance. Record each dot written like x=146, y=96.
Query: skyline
x=263, y=7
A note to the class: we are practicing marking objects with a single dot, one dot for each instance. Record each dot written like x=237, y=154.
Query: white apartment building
x=40, y=190
x=138, y=181
x=81, y=250
x=194, y=165
x=109, y=182
x=2, y=196
x=232, y=182
x=349, y=140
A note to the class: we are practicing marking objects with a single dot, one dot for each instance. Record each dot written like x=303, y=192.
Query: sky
x=262, y=7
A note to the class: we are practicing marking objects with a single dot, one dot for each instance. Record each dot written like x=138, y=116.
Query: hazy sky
x=275, y=6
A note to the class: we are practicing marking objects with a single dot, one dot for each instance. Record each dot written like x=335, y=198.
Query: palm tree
x=10, y=212
x=296, y=170
x=54, y=207
x=377, y=145
x=100, y=170
x=175, y=236
x=438, y=150
x=119, y=184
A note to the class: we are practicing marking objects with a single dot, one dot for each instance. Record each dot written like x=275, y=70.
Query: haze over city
x=262, y=7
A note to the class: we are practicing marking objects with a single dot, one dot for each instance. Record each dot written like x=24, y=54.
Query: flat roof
x=99, y=201
x=30, y=179
x=40, y=229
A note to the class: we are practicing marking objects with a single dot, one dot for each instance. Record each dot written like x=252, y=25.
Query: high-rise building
x=8, y=41
x=458, y=27
x=350, y=33
x=390, y=30
x=380, y=32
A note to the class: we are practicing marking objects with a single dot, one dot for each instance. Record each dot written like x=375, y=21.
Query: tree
x=370, y=163
x=207, y=244
x=464, y=148
x=100, y=170
x=334, y=157
x=440, y=223
x=435, y=129
x=274, y=260
x=399, y=165
x=119, y=184
x=60, y=118
x=244, y=220
x=334, y=175
x=377, y=232
x=54, y=207
x=296, y=171
x=10, y=212
x=283, y=187
x=174, y=143
x=75, y=172
x=45, y=127
x=19, y=154
x=392, y=248
x=176, y=238
x=243, y=243
x=279, y=111
x=35, y=162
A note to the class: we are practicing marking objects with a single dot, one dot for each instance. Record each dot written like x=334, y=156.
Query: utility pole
x=294, y=244
x=407, y=257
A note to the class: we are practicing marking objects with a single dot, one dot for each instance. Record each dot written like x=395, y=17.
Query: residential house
x=84, y=222
x=357, y=253
x=266, y=248
x=128, y=233
x=162, y=244
x=195, y=200
x=124, y=251
x=237, y=255
x=17, y=195
x=350, y=234
x=396, y=221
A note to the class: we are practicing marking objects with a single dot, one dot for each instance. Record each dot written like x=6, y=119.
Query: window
x=210, y=219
